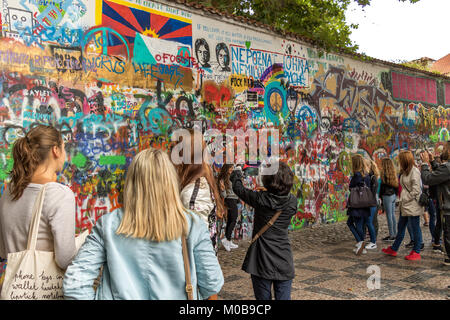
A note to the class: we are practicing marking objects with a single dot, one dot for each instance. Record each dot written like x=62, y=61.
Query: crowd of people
x=412, y=192
x=167, y=225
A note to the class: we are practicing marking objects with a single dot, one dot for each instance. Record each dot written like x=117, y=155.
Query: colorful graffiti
x=119, y=76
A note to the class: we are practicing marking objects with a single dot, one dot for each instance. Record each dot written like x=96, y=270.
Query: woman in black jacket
x=355, y=221
x=269, y=259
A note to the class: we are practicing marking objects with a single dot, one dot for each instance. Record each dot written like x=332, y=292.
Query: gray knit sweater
x=56, y=228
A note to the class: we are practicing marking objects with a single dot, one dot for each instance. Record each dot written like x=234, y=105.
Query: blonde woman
x=373, y=173
x=410, y=209
x=388, y=193
x=139, y=246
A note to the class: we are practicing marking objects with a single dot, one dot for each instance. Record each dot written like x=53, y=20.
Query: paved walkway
x=327, y=269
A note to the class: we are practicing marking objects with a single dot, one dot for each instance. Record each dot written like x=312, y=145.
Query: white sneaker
x=371, y=246
x=359, y=249
x=358, y=244
x=362, y=252
x=226, y=244
x=233, y=245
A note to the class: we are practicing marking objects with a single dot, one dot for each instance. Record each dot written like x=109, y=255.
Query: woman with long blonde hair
x=410, y=209
x=373, y=173
x=140, y=245
x=388, y=192
x=199, y=191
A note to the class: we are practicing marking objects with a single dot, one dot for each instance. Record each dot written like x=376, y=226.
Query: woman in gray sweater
x=38, y=157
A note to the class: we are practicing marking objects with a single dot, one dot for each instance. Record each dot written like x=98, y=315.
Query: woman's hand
x=236, y=174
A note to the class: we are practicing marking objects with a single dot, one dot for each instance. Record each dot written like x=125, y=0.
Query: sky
x=397, y=31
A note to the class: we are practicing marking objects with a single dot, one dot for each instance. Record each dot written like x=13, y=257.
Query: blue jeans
x=389, y=208
x=410, y=231
x=416, y=232
x=262, y=288
x=369, y=223
x=356, y=226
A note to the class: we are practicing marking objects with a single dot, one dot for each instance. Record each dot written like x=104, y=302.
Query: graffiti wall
x=118, y=76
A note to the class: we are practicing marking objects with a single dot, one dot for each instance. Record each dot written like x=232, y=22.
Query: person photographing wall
x=440, y=177
x=269, y=258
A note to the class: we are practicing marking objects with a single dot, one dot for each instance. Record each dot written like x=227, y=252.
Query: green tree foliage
x=323, y=21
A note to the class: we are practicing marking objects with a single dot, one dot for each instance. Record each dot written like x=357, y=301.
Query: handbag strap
x=266, y=226
x=187, y=270
x=194, y=194
x=35, y=219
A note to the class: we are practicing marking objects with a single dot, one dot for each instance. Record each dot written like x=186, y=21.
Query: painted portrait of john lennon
x=223, y=57
x=202, y=52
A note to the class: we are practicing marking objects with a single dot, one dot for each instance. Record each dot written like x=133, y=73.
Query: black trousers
x=446, y=225
x=232, y=216
x=438, y=228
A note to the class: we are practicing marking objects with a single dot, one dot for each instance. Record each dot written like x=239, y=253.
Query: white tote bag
x=33, y=274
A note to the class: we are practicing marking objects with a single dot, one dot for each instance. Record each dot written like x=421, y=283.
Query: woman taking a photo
x=410, y=209
x=140, y=246
x=38, y=158
x=269, y=258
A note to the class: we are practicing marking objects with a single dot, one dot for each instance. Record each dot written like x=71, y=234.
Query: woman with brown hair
x=410, y=209
x=199, y=191
x=231, y=201
x=140, y=246
x=355, y=221
x=38, y=157
x=388, y=193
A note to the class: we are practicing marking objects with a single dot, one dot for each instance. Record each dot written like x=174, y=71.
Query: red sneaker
x=389, y=251
x=414, y=256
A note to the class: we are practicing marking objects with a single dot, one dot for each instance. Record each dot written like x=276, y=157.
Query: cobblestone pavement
x=327, y=269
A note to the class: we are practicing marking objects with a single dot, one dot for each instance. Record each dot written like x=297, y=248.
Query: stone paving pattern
x=327, y=269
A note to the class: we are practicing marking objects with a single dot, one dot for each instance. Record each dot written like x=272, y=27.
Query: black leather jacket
x=440, y=177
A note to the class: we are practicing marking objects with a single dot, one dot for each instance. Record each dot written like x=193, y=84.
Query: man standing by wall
x=440, y=177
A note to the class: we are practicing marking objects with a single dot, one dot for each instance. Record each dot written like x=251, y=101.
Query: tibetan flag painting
x=129, y=21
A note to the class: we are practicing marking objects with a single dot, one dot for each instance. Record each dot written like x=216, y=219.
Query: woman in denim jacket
x=139, y=246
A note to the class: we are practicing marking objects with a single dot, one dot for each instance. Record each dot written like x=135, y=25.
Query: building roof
x=423, y=59
x=442, y=65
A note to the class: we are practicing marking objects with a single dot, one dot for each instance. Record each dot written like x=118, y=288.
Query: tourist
x=199, y=191
x=231, y=202
x=139, y=246
x=410, y=209
x=388, y=192
x=440, y=177
x=372, y=171
x=356, y=216
x=38, y=158
x=269, y=258
x=435, y=207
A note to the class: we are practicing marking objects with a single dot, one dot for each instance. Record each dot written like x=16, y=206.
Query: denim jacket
x=139, y=269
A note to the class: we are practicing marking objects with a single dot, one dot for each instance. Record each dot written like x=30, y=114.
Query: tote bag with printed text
x=32, y=274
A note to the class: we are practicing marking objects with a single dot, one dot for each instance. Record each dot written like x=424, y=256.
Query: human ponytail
x=28, y=153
